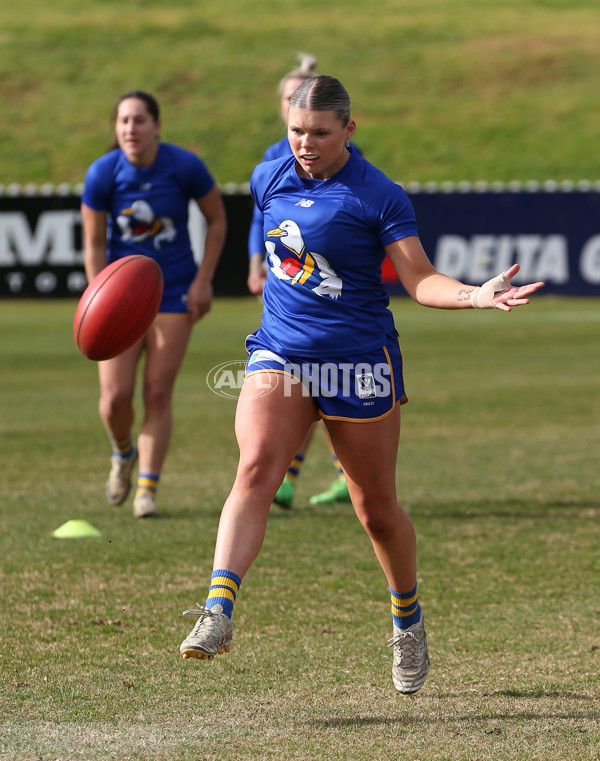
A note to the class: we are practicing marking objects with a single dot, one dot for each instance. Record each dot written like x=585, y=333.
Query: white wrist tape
x=483, y=297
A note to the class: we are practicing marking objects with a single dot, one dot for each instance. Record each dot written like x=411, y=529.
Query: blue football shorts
x=359, y=387
x=173, y=303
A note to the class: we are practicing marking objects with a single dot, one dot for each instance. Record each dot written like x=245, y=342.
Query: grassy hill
x=441, y=89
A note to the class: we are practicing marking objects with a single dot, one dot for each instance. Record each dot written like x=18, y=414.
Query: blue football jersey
x=276, y=151
x=148, y=210
x=325, y=244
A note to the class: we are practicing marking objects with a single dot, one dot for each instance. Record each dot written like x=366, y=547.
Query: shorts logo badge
x=366, y=386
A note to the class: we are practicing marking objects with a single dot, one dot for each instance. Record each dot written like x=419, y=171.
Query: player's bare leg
x=166, y=344
x=284, y=496
x=368, y=453
x=117, y=387
x=269, y=427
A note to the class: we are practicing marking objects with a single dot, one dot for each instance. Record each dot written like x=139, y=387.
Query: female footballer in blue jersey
x=327, y=347
x=135, y=201
x=256, y=243
x=338, y=489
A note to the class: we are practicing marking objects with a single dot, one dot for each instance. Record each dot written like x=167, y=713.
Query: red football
x=118, y=307
x=291, y=267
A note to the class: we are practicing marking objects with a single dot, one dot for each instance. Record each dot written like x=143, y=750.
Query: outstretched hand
x=498, y=292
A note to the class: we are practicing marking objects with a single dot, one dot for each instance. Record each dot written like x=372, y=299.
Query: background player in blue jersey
x=256, y=243
x=135, y=201
x=328, y=347
x=338, y=489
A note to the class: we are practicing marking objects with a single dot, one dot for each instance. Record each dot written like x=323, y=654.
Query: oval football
x=118, y=307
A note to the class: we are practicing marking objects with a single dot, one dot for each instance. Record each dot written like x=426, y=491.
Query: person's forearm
x=443, y=292
x=213, y=247
x=95, y=259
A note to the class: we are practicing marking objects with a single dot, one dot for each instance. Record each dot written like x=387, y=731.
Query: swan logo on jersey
x=138, y=223
x=299, y=266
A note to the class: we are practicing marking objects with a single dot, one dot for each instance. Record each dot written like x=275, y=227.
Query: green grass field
x=443, y=90
x=498, y=468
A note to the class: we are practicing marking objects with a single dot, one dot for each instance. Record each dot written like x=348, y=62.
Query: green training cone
x=75, y=530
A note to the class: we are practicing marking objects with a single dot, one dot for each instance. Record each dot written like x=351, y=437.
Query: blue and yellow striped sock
x=406, y=610
x=336, y=465
x=122, y=447
x=147, y=482
x=294, y=469
x=224, y=586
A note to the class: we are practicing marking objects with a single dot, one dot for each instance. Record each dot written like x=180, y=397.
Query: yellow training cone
x=75, y=530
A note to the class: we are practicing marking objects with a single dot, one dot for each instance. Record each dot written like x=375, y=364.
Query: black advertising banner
x=41, y=250
x=555, y=237
x=472, y=236
x=41, y=246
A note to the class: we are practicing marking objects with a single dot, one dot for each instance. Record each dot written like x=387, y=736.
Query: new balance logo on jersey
x=304, y=202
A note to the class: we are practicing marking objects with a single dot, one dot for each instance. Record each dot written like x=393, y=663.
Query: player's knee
x=157, y=397
x=258, y=473
x=378, y=516
x=377, y=525
x=115, y=401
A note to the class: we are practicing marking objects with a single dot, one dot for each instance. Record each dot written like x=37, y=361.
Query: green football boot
x=337, y=492
x=284, y=496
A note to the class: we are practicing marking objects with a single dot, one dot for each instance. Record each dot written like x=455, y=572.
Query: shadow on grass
x=507, y=509
x=451, y=510
x=300, y=511
x=432, y=718
x=193, y=513
x=467, y=718
x=539, y=693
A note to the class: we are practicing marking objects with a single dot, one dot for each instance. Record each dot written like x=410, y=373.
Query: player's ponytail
x=308, y=64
